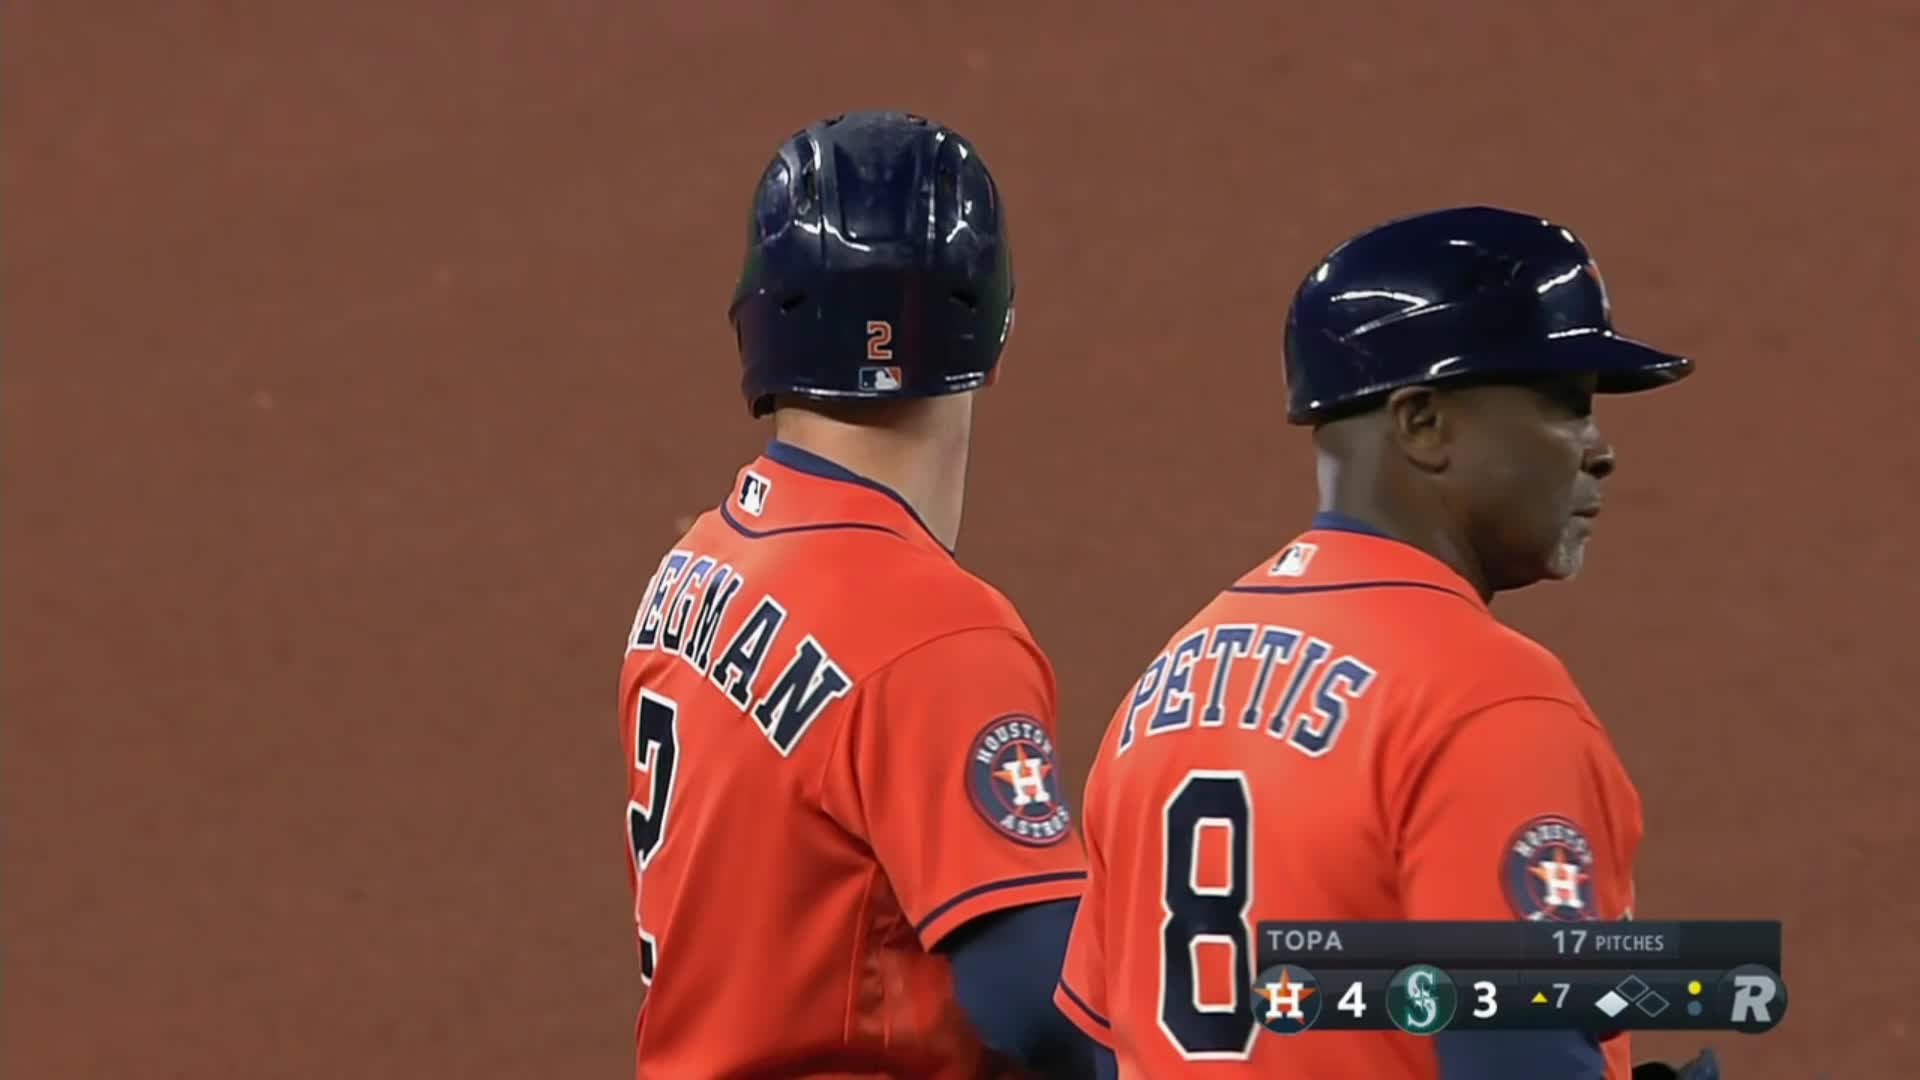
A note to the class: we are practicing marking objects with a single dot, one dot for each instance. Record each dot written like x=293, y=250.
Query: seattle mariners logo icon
x=1292, y=997
x=1547, y=871
x=1014, y=782
x=1420, y=999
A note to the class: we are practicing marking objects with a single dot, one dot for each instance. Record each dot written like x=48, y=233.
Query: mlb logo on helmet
x=879, y=378
x=1593, y=271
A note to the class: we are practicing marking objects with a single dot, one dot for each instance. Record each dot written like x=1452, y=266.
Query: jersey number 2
x=1206, y=892
x=656, y=750
x=879, y=339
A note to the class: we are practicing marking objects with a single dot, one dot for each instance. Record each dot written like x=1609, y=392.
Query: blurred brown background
x=360, y=358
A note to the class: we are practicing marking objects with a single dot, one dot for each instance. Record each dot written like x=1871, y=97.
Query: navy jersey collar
x=806, y=461
x=1338, y=522
x=1334, y=521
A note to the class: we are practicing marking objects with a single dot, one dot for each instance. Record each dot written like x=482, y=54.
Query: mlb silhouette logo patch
x=1293, y=561
x=753, y=493
x=879, y=378
x=1547, y=871
x=1014, y=781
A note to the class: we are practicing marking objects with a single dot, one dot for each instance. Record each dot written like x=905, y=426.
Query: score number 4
x=1353, y=1001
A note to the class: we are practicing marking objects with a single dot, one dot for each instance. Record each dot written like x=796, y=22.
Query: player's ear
x=1420, y=425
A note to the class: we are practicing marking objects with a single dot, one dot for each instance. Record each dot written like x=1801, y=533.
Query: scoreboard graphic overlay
x=1601, y=977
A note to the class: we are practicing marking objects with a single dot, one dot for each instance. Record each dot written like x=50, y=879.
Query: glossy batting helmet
x=1473, y=292
x=877, y=265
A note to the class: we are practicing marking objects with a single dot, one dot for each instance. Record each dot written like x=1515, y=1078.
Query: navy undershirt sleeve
x=1005, y=965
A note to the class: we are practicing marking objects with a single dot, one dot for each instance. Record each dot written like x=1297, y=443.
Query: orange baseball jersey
x=1346, y=733
x=839, y=748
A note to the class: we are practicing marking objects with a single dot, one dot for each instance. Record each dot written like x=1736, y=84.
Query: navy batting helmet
x=1469, y=292
x=877, y=265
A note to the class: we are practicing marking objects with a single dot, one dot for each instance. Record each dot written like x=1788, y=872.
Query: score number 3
x=1486, y=1001
x=656, y=751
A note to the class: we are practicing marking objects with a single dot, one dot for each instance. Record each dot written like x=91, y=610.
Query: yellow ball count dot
x=1693, y=987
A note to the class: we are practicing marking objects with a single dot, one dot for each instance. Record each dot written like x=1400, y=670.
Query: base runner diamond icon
x=1611, y=1003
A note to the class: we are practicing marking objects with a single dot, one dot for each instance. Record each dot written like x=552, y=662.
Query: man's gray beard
x=1570, y=552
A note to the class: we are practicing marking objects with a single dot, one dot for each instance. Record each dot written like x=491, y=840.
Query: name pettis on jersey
x=1316, y=683
x=791, y=700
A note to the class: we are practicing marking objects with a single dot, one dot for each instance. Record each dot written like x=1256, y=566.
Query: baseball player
x=1347, y=732
x=849, y=850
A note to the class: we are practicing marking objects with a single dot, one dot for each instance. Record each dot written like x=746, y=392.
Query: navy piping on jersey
x=1084, y=1007
x=726, y=514
x=1342, y=586
x=996, y=886
x=1334, y=521
x=814, y=465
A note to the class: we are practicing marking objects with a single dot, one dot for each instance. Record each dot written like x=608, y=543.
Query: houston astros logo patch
x=1547, y=871
x=1014, y=781
x=1292, y=998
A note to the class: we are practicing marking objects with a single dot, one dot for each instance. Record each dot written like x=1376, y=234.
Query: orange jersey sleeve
x=1081, y=995
x=1523, y=812
x=947, y=770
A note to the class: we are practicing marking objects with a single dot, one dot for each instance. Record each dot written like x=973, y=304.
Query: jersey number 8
x=656, y=749
x=1205, y=905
